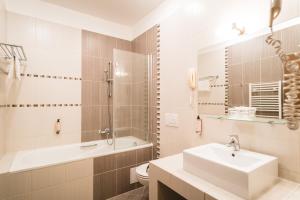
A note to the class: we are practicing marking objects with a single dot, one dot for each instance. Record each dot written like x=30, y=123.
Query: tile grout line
x=51, y=77
x=38, y=105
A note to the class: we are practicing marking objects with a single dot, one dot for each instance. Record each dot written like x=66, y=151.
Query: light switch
x=171, y=119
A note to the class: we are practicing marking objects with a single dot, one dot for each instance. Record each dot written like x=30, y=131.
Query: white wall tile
x=79, y=169
x=80, y=189
x=51, y=193
x=61, y=182
x=274, y=140
x=179, y=47
x=51, y=49
x=2, y=77
x=18, y=184
x=48, y=177
x=28, y=128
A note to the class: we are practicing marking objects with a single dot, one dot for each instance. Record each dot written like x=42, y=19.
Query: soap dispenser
x=199, y=125
x=58, y=126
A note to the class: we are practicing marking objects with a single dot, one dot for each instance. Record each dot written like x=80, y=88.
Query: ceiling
x=125, y=12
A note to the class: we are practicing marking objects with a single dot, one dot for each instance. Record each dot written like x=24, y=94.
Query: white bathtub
x=44, y=157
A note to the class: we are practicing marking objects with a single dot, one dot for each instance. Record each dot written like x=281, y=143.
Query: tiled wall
x=95, y=178
x=112, y=172
x=210, y=64
x=275, y=140
x=140, y=97
x=131, y=100
x=51, y=91
x=2, y=79
x=51, y=85
x=147, y=43
x=97, y=52
x=62, y=182
x=253, y=61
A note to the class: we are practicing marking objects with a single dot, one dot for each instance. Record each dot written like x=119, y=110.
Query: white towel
x=17, y=69
x=11, y=69
x=14, y=69
x=204, y=86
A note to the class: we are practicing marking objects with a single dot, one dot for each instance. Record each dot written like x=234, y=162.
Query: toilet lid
x=142, y=170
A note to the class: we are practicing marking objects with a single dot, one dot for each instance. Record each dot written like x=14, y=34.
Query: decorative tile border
x=158, y=91
x=51, y=77
x=38, y=105
x=226, y=80
x=220, y=85
x=211, y=104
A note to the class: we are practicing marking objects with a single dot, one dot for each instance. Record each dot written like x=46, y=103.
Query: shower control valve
x=106, y=131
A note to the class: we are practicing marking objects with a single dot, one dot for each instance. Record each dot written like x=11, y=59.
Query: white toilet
x=142, y=174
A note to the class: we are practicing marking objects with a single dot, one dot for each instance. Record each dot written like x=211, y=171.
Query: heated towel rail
x=266, y=98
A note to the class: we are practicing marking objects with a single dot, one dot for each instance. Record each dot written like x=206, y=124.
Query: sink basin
x=244, y=173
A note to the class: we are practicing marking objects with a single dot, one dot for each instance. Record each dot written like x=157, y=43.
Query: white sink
x=244, y=173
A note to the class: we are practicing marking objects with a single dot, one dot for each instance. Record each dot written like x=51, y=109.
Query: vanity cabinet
x=208, y=197
x=164, y=192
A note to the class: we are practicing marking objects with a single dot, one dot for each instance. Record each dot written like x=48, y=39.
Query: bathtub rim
x=7, y=160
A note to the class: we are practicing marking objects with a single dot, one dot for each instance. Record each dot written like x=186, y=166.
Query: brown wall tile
x=251, y=72
x=96, y=54
x=122, y=117
x=291, y=39
x=123, y=132
x=105, y=185
x=126, y=159
x=259, y=62
x=236, y=74
x=104, y=163
x=87, y=136
x=90, y=118
x=235, y=95
x=124, y=45
x=271, y=69
x=123, y=180
x=144, y=155
x=103, y=117
x=97, y=51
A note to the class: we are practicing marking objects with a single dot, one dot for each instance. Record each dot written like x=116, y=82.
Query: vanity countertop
x=171, y=167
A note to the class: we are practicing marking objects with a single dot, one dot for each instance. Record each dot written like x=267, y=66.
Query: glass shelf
x=256, y=119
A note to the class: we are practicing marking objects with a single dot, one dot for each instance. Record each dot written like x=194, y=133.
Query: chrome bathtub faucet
x=106, y=131
x=234, y=142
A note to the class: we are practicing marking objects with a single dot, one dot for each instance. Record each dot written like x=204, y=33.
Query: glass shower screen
x=131, y=96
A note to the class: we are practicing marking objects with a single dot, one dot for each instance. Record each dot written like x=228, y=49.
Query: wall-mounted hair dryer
x=275, y=11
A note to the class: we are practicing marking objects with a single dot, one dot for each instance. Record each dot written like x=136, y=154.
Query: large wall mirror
x=244, y=80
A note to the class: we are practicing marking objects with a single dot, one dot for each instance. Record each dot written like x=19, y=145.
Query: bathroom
x=161, y=99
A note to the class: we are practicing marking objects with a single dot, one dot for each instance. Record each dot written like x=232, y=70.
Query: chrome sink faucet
x=234, y=142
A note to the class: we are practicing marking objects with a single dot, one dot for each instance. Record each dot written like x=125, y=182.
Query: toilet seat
x=141, y=171
x=142, y=174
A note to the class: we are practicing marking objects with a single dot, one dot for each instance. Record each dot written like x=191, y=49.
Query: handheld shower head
x=275, y=11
